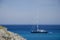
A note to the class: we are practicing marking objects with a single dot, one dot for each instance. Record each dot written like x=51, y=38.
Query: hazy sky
x=30, y=12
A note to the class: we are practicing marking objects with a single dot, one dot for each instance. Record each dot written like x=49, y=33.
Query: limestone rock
x=7, y=35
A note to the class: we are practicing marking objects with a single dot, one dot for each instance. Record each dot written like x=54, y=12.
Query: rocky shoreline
x=7, y=35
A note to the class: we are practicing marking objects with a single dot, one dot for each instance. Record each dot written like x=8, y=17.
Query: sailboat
x=39, y=30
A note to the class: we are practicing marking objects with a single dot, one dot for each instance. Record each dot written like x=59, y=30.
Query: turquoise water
x=39, y=36
x=25, y=31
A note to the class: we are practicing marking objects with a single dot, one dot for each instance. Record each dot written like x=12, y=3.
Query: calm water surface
x=25, y=31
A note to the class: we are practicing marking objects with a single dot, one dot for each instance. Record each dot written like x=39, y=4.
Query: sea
x=25, y=31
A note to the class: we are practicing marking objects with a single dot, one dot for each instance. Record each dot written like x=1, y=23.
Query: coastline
x=7, y=35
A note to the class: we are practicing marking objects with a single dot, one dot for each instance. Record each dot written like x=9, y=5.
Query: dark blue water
x=25, y=31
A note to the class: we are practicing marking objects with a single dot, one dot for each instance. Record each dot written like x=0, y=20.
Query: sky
x=30, y=12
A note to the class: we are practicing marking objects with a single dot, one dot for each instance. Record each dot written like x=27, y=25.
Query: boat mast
x=37, y=19
x=37, y=27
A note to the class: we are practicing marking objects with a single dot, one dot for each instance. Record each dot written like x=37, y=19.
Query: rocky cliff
x=7, y=35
